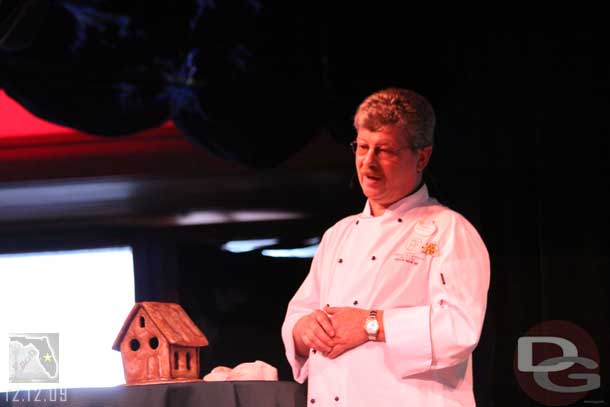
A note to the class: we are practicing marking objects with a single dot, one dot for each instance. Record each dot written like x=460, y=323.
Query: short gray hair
x=401, y=108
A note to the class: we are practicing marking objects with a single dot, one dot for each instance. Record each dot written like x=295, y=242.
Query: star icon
x=47, y=357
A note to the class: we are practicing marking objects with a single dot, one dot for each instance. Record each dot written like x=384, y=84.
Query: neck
x=378, y=208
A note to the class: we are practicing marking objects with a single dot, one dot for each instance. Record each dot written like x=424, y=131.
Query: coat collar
x=400, y=207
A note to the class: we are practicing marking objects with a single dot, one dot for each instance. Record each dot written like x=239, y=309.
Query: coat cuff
x=408, y=344
x=299, y=364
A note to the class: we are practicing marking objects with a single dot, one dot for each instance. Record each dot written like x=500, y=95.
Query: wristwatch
x=371, y=325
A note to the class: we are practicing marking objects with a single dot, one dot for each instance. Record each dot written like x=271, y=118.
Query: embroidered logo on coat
x=425, y=227
x=418, y=246
x=431, y=249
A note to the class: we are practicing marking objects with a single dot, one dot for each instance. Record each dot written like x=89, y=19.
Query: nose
x=370, y=158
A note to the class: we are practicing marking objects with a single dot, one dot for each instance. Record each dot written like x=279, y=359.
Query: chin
x=367, y=191
x=372, y=195
x=371, y=192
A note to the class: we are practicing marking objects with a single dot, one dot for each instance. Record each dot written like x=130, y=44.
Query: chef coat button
x=356, y=302
x=399, y=219
x=313, y=401
x=328, y=305
x=340, y=260
x=373, y=258
x=357, y=222
x=314, y=351
x=337, y=398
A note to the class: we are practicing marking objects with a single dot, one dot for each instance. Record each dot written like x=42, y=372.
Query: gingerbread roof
x=171, y=320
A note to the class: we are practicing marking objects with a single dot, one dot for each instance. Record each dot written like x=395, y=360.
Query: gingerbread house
x=159, y=343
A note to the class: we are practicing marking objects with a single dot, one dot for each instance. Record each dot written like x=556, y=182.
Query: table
x=216, y=394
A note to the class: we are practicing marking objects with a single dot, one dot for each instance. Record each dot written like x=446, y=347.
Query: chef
x=394, y=302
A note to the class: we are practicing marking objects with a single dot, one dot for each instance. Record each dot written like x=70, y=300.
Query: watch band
x=372, y=325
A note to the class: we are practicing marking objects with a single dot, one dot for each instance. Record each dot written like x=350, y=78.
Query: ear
x=423, y=156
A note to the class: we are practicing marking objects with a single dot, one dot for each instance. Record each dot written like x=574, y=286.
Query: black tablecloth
x=216, y=394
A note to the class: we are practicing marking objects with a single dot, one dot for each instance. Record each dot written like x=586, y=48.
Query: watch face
x=372, y=327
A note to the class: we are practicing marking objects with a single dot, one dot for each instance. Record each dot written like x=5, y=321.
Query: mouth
x=370, y=179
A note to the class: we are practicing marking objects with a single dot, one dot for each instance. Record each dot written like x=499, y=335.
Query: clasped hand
x=331, y=331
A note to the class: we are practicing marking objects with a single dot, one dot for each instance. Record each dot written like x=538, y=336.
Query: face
x=387, y=169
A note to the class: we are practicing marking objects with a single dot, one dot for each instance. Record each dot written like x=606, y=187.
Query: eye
x=382, y=152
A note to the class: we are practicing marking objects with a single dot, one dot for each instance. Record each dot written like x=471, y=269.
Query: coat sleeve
x=445, y=332
x=305, y=301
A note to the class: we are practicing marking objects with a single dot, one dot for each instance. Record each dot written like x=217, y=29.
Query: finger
x=323, y=337
x=312, y=342
x=320, y=345
x=336, y=351
x=313, y=335
x=325, y=323
x=331, y=310
x=316, y=336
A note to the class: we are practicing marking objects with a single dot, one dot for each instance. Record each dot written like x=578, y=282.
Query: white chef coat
x=428, y=269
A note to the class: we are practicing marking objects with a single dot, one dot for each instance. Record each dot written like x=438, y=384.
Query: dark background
x=521, y=150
